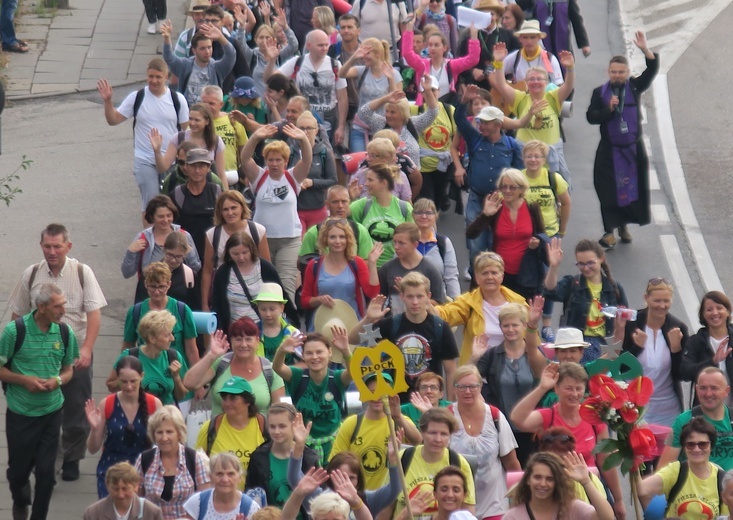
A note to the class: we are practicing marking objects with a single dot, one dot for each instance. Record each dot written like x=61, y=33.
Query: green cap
x=236, y=385
x=385, y=375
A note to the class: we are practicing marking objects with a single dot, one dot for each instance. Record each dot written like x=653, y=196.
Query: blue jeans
x=357, y=139
x=483, y=242
x=7, y=30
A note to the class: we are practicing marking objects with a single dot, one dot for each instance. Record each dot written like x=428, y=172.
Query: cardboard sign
x=623, y=368
x=384, y=356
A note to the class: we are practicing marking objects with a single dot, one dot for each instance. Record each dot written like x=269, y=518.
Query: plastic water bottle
x=613, y=312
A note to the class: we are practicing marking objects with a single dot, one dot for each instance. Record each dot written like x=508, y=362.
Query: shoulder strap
x=721, y=476
x=245, y=504
x=262, y=423
x=188, y=276
x=302, y=386
x=552, y=178
x=355, y=229
x=136, y=310
x=109, y=406
x=267, y=371
x=296, y=68
x=181, y=314
x=441, y=245
x=337, y=394
x=546, y=61
x=172, y=355
x=215, y=244
x=32, y=277
x=453, y=458
x=316, y=267
x=362, y=78
x=134, y=352
x=403, y=208
x=696, y=411
x=178, y=196
x=367, y=206
x=146, y=460
x=214, y=425
x=681, y=478
x=396, y=322
x=136, y=106
x=357, y=427
x=413, y=131
x=176, y=106
x=495, y=416
x=438, y=324
x=191, y=465
x=261, y=182
x=204, y=503
x=80, y=273
x=224, y=363
x=150, y=401
x=334, y=68
x=19, y=335
x=291, y=180
x=253, y=231
x=406, y=459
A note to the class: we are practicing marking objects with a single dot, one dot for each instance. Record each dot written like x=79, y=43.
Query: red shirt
x=511, y=239
x=585, y=434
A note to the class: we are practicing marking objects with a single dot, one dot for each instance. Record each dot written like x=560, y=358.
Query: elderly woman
x=123, y=480
x=338, y=274
x=231, y=215
x=657, y=339
x=516, y=226
x=381, y=212
x=437, y=249
x=695, y=481
x=238, y=282
x=380, y=150
x=170, y=472
x=219, y=365
x=486, y=434
x=276, y=191
x=163, y=367
x=709, y=345
x=568, y=380
x=507, y=371
x=397, y=117
x=547, y=490
x=375, y=77
x=239, y=429
x=322, y=175
x=223, y=501
x=478, y=310
x=147, y=247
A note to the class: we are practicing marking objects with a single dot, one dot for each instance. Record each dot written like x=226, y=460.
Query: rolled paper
x=232, y=176
x=205, y=322
x=466, y=17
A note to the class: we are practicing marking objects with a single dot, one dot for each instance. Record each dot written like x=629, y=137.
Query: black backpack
x=139, y=101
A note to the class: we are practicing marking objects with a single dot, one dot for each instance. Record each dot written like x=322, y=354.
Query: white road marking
x=682, y=279
x=660, y=215
x=653, y=178
x=648, y=11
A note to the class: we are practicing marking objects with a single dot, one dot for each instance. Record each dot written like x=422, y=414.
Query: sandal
x=19, y=46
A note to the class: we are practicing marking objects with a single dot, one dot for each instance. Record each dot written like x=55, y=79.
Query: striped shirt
x=42, y=355
x=78, y=301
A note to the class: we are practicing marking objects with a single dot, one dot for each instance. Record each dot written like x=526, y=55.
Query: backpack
x=288, y=176
x=226, y=360
x=79, y=272
x=441, y=239
x=682, y=478
x=173, y=182
x=20, y=330
x=245, y=504
x=109, y=404
x=454, y=459
x=299, y=63
x=215, y=424
x=494, y=414
x=138, y=308
x=369, y=201
x=147, y=457
x=171, y=353
x=546, y=61
x=139, y=101
x=332, y=387
x=217, y=238
x=188, y=276
x=179, y=198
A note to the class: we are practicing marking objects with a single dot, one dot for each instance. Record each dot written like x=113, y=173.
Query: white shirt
x=656, y=359
x=491, y=323
x=523, y=66
x=322, y=97
x=375, y=18
x=276, y=205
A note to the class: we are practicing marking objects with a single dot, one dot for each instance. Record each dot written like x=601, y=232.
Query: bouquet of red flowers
x=621, y=405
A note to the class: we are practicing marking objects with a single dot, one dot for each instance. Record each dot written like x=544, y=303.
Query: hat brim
x=226, y=391
x=566, y=345
x=530, y=32
x=269, y=298
x=489, y=119
x=342, y=311
x=199, y=162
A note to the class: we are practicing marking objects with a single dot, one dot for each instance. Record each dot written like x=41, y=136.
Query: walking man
x=37, y=354
x=83, y=303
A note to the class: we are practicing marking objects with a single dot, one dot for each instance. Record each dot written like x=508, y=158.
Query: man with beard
x=621, y=169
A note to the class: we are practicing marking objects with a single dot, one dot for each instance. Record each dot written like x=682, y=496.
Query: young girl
x=318, y=392
x=584, y=295
x=324, y=20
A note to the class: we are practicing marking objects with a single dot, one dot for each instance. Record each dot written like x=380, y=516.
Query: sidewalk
x=71, y=50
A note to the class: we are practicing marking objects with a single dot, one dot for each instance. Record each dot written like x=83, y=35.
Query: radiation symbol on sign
x=385, y=355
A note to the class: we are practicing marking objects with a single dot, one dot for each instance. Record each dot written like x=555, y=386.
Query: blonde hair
x=155, y=323
x=388, y=133
x=122, y=472
x=381, y=146
x=379, y=47
x=486, y=259
x=277, y=147
x=513, y=310
x=157, y=273
x=343, y=225
x=329, y=502
x=265, y=28
x=464, y=371
x=307, y=117
x=225, y=460
x=534, y=144
x=167, y=413
x=325, y=17
x=268, y=513
x=517, y=177
x=414, y=279
x=540, y=71
x=424, y=205
x=403, y=106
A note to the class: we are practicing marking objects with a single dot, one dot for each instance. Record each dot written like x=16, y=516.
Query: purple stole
x=558, y=39
x=623, y=144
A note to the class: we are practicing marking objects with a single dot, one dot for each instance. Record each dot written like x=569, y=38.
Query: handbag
x=533, y=266
x=195, y=419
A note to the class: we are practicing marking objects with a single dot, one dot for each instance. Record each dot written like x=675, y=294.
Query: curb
x=47, y=95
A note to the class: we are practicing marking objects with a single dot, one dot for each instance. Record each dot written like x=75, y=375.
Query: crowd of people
x=293, y=159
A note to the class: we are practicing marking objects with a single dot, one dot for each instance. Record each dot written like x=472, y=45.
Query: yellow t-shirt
x=420, y=476
x=541, y=193
x=549, y=133
x=233, y=137
x=370, y=446
x=595, y=325
x=697, y=499
x=437, y=137
x=240, y=443
x=580, y=493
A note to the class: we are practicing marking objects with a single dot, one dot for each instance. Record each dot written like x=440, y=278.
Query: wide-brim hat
x=198, y=6
x=568, y=337
x=342, y=315
x=245, y=87
x=530, y=27
x=489, y=5
x=270, y=292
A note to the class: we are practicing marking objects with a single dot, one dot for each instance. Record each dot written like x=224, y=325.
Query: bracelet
x=58, y=380
x=498, y=65
x=570, y=68
x=532, y=330
x=361, y=504
x=561, y=233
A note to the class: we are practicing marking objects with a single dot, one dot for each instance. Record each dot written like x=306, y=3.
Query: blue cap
x=245, y=87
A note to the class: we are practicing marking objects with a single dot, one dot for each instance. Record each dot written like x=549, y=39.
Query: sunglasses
x=316, y=83
x=660, y=281
x=702, y=445
x=559, y=437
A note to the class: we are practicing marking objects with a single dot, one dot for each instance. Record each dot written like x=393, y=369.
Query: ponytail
x=142, y=403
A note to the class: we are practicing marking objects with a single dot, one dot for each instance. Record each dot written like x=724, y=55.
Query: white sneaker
x=152, y=28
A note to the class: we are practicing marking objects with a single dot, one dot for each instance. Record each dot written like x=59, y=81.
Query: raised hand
x=576, y=468
x=219, y=344
x=566, y=59
x=265, y=132
x=301, y=431
x=480, y=346
x=156, y=139
x=538, y=106
x=345, y=489
x=492, y=203
x=723, y=351
x=281, y=19
x=500, y=51
x=237, y=117
x=211, y=31
x=363, y=51
x=375, y=312
x=341, y=340
x=240, y=15
x=375, y=253
x=354, y=189
x=166, y=28
x=640, y=41
x=104, y=89
x=536, y=305
x=292, y=342
x=271, y=51
x=470, y=93
x=312, y=480
x=420, y=402
x=639, y=337
x=550, y=376
x=94, y=416
x=675, y=340
x=139, y=244
x=395, y=96
x=265, y=10
x=554, y=252
x=293, y=131
x=420, y=502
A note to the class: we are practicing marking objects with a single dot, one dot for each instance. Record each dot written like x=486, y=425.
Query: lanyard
x=621, y=100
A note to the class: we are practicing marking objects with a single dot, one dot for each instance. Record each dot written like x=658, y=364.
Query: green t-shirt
x=42, y=355
x=268, y=345
x=381, y=222
x=414, y=414
x=278, y=489
x=260, y=389
x=157, y=378
x=722, y=454
x=182, y=330
x=318, y=404
x=309, y=245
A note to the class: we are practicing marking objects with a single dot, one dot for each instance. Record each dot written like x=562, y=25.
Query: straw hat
x=530, y=27
x=270, y=292
x=342, y=315
x=568, y=337
x=489, y=5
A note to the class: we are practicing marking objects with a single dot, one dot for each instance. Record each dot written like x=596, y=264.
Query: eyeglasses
x=553, y=437
x=508, y=187
x=177, y=258
x=585, y=265
x=471, y=388
x=307, y=128
x=435, y=1
x=181, y=162
x=333, y=221
x=156, y=288
x=533, y=79
x=702, y=445
x=316, y=83
x=212, y=20
x=423, y=213
x=659, y=281
x=428, y=388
